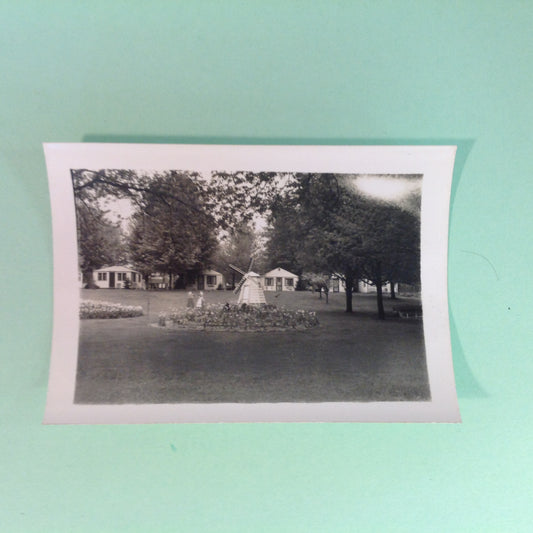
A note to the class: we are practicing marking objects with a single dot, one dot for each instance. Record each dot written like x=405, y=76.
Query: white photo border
x=434, y=162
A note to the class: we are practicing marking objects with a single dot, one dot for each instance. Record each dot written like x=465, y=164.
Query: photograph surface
x=212, y=283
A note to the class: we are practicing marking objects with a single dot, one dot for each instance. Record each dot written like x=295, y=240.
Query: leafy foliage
x=171, y=230
x=335, y=230
x=237, y=248
x=100, y=241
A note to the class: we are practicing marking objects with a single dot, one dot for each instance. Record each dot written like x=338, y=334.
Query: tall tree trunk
x=326, y=291
x=349, y=288
x=379, y=292
x=170, y=281
x=320, y=292
x=392, y=291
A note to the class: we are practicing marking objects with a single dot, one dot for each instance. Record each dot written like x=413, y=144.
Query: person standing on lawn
x=200, y=301
x=190, y=300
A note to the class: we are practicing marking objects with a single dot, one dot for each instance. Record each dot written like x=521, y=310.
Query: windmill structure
x=249, y=287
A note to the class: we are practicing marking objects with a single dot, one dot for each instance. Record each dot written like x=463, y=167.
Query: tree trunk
x=169, y=281
x=349, y=288
x=392, y=291
x=327, y=295
x=87, y=279
x=379, y=292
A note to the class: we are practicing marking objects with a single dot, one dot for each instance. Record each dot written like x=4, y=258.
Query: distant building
x=336, y=284
x=158, y=281
x=118, y=277
x=365, y=287
x=209, y=280
x=279, y=279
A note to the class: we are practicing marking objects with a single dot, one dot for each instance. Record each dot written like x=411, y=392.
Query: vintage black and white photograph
x=272, y=292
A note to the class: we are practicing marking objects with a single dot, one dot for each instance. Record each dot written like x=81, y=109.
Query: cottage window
x=289, y=282
x=102, y=276
x=269, y=282
x=211, y=280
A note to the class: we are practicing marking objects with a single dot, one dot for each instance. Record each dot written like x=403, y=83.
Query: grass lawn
x=349, y=357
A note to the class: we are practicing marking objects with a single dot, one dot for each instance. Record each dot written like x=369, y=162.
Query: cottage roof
x=116, y=268
x=211, y=273
x=281, y=272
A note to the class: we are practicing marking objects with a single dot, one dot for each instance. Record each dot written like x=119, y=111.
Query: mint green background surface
x=336, y=72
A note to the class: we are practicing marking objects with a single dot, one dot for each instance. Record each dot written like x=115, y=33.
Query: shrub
x=239, y=317
x=96, y=309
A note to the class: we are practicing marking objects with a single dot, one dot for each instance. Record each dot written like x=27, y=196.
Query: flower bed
x=239, y=318
x=96, y=309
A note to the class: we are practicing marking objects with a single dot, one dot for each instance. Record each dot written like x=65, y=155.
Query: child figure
x=190, y=300
x=200, y=301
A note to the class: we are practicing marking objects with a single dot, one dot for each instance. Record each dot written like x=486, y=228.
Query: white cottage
x=117, y=277
x=279, y=279
x=336, y=284
x=365, y=287
x=158, y=281
x=209, y=280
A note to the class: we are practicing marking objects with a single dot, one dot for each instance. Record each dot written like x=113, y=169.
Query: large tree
x=336, y=230
x=237, y=247
x=171, y=231
x=390, y=247
x=100, y=242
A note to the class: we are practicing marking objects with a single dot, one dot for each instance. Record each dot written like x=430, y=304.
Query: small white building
x=210, y=280
x=336, y=284
x=365, y=287
x=279, y=279
x=118, y=277
x=158, y=281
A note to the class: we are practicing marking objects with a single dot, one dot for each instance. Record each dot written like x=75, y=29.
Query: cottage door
x=111, y=280
x=279, y=282
x=201, y=282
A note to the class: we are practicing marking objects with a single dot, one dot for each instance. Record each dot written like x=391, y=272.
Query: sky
x=390, y=188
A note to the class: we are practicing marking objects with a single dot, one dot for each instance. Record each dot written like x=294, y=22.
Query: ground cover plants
x=239, y=318
x=98, y=309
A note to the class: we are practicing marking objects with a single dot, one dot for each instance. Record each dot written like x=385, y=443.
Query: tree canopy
x=171, y=230
x=325, y=227
x=316, y=222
